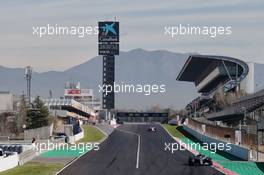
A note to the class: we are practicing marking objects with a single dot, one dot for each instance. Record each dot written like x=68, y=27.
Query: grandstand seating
x=245, y=104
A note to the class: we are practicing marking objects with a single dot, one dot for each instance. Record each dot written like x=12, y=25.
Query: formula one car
x=152, y=129
x=200, y=160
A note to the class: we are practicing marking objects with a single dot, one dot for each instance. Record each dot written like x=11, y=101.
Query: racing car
x=200, y=159
x=152, y=129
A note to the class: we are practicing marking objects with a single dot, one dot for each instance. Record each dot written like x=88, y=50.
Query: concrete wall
x=259, y=81
x=6, y=101
x=248, y=84
x=75, y=138
x=68, y=130
x=27, y=156
x=8, y=162
x=236, y=150
x=78, y=136
x=39, y=133
x=254, y=81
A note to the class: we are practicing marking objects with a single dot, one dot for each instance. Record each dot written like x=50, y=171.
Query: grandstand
x=240, y=118
x=70, y=112
x=211, y=74
x=69, y=108
x=250, y=107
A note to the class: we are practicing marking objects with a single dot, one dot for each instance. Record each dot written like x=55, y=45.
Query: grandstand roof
x=207, y=71
x=210, y=73
x=70, y=105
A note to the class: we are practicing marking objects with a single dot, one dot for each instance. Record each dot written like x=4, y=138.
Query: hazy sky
x=141, y=25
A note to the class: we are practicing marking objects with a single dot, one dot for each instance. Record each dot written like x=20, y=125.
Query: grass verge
x=33, y=168
x=91, y=134
x=224, y=159
x=173, y=130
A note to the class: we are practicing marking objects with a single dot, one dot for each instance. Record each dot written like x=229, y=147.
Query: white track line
x=138, y=150
x=106, y=135
x=138, y=147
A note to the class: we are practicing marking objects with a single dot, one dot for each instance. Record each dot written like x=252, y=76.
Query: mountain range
x=136, y=66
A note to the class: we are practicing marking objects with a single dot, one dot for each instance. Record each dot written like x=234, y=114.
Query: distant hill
x=137, y=66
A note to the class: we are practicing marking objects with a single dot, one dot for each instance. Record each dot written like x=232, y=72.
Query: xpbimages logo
x=212, y=147
x=145, y=89
x=183, y=30
x=59, y=30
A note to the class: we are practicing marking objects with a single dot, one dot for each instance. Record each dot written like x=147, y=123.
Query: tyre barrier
x=12, y=148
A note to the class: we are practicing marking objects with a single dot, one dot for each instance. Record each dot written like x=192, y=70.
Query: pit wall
x=235, y=150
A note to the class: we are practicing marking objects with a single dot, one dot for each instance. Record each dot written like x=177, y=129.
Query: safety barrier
x=235, y=150
x=27, y=156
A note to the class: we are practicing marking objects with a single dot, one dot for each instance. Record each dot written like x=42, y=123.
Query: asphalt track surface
x=118, y=155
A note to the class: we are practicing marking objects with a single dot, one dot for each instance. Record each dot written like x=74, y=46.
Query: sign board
x=108, y=49
x=87, y=92
x=238, y=137
x=108, y=31
x=72, y=92
x=108, y=79
x=108, y=38
x=108, y=45
x=78, y=92
x=203, y=129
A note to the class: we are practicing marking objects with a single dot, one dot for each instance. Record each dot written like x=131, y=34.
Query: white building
x=6, y=101
x=84, y=96
x=254, y=81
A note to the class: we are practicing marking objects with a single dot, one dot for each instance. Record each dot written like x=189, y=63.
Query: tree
x=7, y=124
x=225, y=99
x=38, y=115
x=21, y=116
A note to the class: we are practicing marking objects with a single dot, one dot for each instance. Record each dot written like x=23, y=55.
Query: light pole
x=24, y=128
x=245, y=115
x=257, y=139
x=188, y=111
x=28, y=75
x=258, y=122
x=244, y=109
x=195, y=110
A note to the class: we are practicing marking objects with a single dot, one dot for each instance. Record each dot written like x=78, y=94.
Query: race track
x=132, y=150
